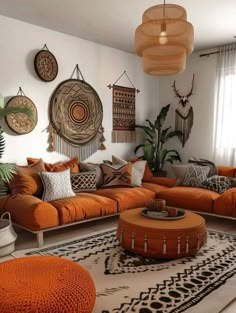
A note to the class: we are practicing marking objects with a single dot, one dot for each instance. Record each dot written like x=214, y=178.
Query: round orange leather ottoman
x=161, y=238
x=45, y=284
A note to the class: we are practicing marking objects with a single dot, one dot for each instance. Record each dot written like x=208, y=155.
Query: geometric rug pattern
x=129, y=283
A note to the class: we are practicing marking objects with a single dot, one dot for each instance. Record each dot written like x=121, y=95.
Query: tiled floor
x=27, y=240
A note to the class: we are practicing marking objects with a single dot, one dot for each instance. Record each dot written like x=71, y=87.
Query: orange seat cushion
x=192, y=198
x=161, y=238
x=73, y=164
x=30, y=212
x=83, y=206
x=128, y=198
x=225, y=204
x=153, y=187
x=45, y=284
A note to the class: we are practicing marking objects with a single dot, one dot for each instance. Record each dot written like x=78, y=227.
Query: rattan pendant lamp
x=164, y=39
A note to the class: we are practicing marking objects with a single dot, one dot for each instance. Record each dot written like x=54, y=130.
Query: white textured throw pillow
x=138, y=169
x=56, y=185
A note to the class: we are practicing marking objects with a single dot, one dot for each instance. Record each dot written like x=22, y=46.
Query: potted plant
x=7, y=170
x=157, y=136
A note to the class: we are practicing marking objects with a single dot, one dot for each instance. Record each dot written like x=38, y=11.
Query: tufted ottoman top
x=45, y=284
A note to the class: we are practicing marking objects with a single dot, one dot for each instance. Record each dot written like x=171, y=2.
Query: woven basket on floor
x=7, y=235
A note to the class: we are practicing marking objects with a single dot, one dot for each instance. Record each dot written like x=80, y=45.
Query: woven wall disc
x=45, y=65
x=76, y=112
x=20, y=123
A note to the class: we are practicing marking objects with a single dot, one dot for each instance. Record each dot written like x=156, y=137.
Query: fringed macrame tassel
x=145, y=243
x=205, y=238
x=51, y=132
x=164, y=245
x=102, y=139
x=132, y=240
x=121, y=237
x=178, y=249
x=198, y=242
x=187, y=245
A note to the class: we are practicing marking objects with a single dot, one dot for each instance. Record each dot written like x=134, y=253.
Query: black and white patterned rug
x=125, y=282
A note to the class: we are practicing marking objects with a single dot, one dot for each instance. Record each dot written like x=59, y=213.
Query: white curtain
x=225, y=107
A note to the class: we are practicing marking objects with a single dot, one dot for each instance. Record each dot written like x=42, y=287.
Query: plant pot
x=160, y=174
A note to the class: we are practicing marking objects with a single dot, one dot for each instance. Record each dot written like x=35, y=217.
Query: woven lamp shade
x=164, y=39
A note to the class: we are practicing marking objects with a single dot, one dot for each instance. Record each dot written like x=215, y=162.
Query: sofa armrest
x=29, y=211
x=164, y=181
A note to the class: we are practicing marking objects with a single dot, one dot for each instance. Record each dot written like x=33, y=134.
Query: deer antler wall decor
x=184, y=113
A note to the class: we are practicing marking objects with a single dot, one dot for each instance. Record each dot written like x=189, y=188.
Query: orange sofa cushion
x=192, y=198
x=27, y=180
x=128, y=198
x=225, y=204
x=30, y=212
x=73, y=164
x=153, y=187
x=228, y=171
x=164, y=181
x=83, y=206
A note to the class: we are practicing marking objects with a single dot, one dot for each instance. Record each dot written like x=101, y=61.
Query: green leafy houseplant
x=157, y=136
x=8, y=170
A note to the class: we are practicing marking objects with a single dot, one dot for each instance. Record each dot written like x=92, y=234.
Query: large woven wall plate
x=20, y=123
x=76, y=112
x=45, y=65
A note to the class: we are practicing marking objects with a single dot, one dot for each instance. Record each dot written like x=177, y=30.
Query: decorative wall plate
x=20, y=123
x=45, y=65
x=76, y=112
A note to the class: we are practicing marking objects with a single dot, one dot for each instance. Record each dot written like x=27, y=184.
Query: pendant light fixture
x=164, y=39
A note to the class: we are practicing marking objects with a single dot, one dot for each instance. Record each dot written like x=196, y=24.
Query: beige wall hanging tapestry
x=123, y=99
x=76, y=115
x=21, y=123
x=45, y=65
x=184, y=114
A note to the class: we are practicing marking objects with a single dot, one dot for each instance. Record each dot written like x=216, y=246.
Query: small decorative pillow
x=179, y=171
x=218, y=183
x=83, y=182
x=57, y=185
x=27, y=180
x=195, y=175
x=88, y=167
x=72, y=164
x=138, y=169
x=117, y=175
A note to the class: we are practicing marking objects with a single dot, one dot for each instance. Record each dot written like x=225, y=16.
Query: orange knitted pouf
x=45, y=284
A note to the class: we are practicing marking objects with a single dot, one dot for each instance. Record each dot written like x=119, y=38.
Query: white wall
x=100, y=66
x=199, y=143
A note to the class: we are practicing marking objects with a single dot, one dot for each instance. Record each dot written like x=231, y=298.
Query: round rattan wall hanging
x=20, y=123
x=45, y=65
x=76, y=112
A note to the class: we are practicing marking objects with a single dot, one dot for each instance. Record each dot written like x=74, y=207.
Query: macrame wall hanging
x=184, y=114
x=123, y=112
x=76, y=115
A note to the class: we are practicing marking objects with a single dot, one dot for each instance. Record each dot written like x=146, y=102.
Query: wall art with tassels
x=123, y=112
x=76, y=115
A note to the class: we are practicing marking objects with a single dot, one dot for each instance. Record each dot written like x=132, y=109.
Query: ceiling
x=113, y=22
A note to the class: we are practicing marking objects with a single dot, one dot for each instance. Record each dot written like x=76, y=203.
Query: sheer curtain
x=225, y=107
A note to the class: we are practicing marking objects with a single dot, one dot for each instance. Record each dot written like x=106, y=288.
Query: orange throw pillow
x=73, y=164
x=27, y=180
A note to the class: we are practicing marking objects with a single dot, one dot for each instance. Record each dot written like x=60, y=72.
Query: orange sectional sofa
x=37, y=216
